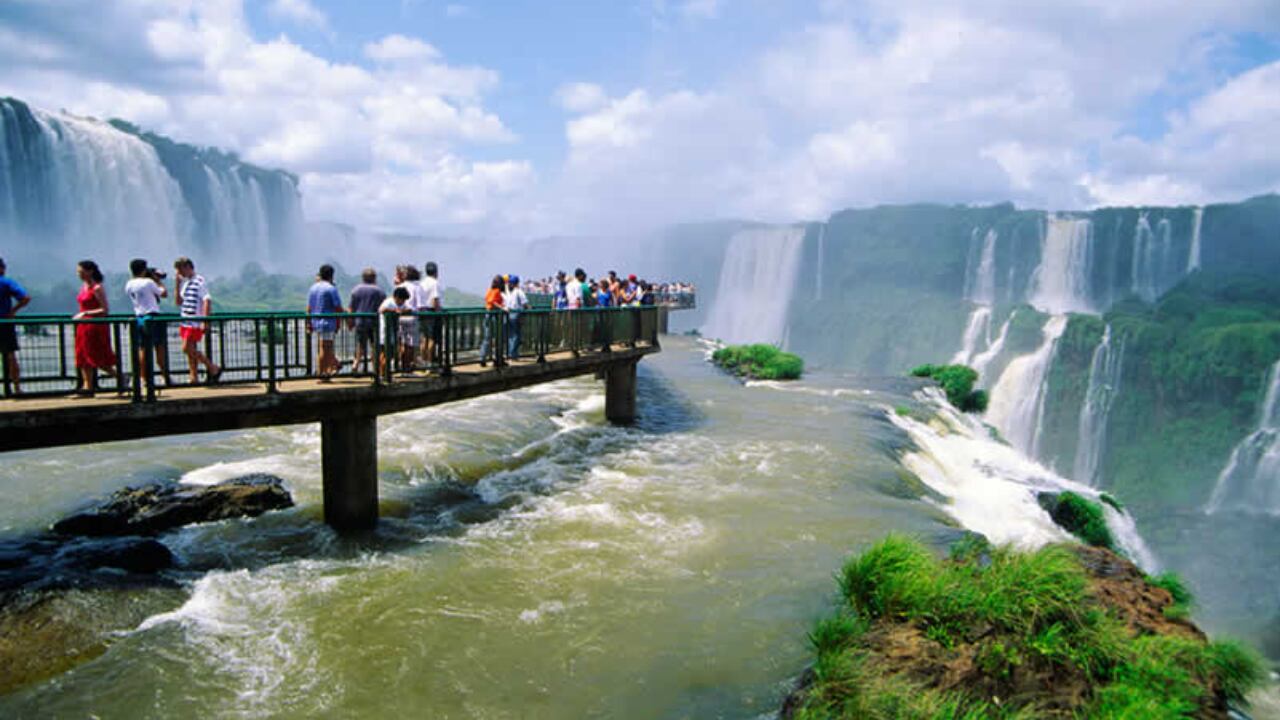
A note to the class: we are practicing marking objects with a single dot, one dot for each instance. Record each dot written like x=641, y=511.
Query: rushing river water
x=532, y=561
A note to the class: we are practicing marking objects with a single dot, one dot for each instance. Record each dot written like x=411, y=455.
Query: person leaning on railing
x=192, y=296
x=402, y=333
x=493, y=302
x=93, y=340
x=12, y=299
x=323, y=299
x=145, y=290
x=366, y=299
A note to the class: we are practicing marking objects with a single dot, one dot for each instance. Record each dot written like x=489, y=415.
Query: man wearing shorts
x=12, y=299
x=366, y=299
x=145, y=290
x=193, y=298
x=323, y=299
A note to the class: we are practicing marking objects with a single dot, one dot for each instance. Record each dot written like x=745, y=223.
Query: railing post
x=500, y=333
x=149, y=359
x=4, y=368
x=444, y=346
x=543, y=336
x=115, y=333
x=135, y=347
x=391, y=344
x=271, y=355
x=257, y=348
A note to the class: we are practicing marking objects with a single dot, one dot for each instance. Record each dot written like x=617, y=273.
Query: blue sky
x=521, y=118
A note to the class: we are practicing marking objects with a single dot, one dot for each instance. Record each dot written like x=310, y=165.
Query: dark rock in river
x=51, y=562
x=156, y=508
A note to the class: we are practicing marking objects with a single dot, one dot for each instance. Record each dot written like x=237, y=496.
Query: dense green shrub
x=1182, y=597
x=1026, y=620
x=1079, y=516
x=957, y=382
x=759, y=362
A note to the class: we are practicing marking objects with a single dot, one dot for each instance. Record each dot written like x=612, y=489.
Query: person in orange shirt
x=492, y=304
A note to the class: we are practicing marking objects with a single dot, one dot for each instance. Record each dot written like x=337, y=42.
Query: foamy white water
x=1193, y=256
x=1017, y=399
x=1105, y=371
x=757, y=280
x=1060, y=284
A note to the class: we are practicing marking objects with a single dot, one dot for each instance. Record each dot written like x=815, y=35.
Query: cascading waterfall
x=980, y=288
x=980, y=361
x=822, y=253
x=1250, y=482
x=757, y=280
x=1193, y=256
x=1018, y=397
x=73, y=187
x=1105, y=370
x=1155, y=269
x=1060, y=284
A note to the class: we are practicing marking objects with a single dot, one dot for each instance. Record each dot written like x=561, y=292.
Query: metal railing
x=670, y=300
x=271, y=348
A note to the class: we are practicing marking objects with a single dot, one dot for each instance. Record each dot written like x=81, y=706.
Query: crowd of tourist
x=415, y=297
x=610, y=290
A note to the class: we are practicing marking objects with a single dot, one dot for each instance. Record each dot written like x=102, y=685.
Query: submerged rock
x=156, y=508
x=45, y=562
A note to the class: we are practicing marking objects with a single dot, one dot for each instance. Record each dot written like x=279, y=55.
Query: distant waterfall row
x=72, y=187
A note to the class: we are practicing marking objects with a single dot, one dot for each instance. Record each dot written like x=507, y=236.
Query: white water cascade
x=1193, y=256
x=980, y=289
x=1154, y=267
x=822, y=253
x=1018, y=397
x=1250, y=482
x=757, y=279
x=1060, y=284
x=992, y=487
x=111, y=191
x=1105, y=370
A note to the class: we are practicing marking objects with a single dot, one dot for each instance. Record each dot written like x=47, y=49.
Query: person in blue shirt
x=561, y=299
x=323, y=299
x=12, y=299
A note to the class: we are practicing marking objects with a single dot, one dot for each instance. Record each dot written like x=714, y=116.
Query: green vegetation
x=957, y=381
x=991, y=632
x=1183, y=600
x=1079, y=516
x=1111, y=500
x=759, y=362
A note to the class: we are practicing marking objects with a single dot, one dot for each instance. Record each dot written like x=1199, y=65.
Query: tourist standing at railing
x=323, y=299
x=493, y=302
x=561, y=299
x=431, y=326
x=403, y=333
x=12, y=299
x=93, y=340
x=366, y=299
x=514, y=302
x=145, y=290
x=574, y=290
x=195, y=306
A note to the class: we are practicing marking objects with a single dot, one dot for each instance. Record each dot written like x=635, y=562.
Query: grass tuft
x=957, y=382
x=759, y=362
x=1079, y=516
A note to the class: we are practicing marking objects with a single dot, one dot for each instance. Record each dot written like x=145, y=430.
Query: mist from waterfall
x=1250, y=482
x=980, y=289
x=822, y=252
x=1105, y=371
x=757, y=279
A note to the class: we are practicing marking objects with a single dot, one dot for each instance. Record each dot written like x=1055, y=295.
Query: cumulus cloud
x=301, y=12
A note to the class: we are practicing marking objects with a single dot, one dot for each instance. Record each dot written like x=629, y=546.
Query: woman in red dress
x=93, y=340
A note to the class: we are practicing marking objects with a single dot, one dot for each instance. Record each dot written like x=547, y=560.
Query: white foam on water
x=991, y=487
x=284, y=466
x=1060, y=284
x=1017, y=400
x=1250, y=481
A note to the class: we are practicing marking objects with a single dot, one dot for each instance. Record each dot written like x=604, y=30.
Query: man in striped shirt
x=193, y=298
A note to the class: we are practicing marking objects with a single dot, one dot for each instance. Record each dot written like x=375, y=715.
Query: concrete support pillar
x=349, y=458
x=620, y=393
x=664, y=319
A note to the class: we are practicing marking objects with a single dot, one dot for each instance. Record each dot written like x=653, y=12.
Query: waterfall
x=1193, y=257
x=980, y=288
x=74, y=187
x=1018, y=397
x=1105, y=371
x=822, y=252
x=980, y=361
x=757, y=278
x=1250, y=482
x=1060, y=284
x=1154, y=268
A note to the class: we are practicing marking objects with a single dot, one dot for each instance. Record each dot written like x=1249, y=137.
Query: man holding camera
x=145, y=290
x=192, y=297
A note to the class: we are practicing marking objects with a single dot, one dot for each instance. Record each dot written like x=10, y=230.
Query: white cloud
x=301, y=12
x=400, y=49
x=581, y=97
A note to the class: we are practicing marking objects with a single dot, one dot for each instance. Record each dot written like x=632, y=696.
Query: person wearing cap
x=514, y=301
x=13, y=297
x=629, y=291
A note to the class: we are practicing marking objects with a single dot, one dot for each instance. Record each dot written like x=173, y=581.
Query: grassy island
x=759, y=362
x=992, y=632
x=957, y=382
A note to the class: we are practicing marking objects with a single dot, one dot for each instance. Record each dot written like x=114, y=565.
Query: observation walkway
x=270, y=377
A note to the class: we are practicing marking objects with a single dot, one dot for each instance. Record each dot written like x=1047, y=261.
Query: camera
x=156, y=274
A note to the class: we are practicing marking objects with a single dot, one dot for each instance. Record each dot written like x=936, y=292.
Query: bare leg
x=12, y=360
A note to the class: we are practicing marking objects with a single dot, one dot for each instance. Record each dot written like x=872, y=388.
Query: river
x=532, y=560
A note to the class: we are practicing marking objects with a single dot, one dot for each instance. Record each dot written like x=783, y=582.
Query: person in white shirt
x=573, y=289
x=431, y=327
x=406, y=328
x=145, y=290
x=408, y=277
x=514, y=301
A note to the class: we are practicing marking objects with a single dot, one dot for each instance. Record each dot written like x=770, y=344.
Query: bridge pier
x=620, y=393
x=349, y=461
